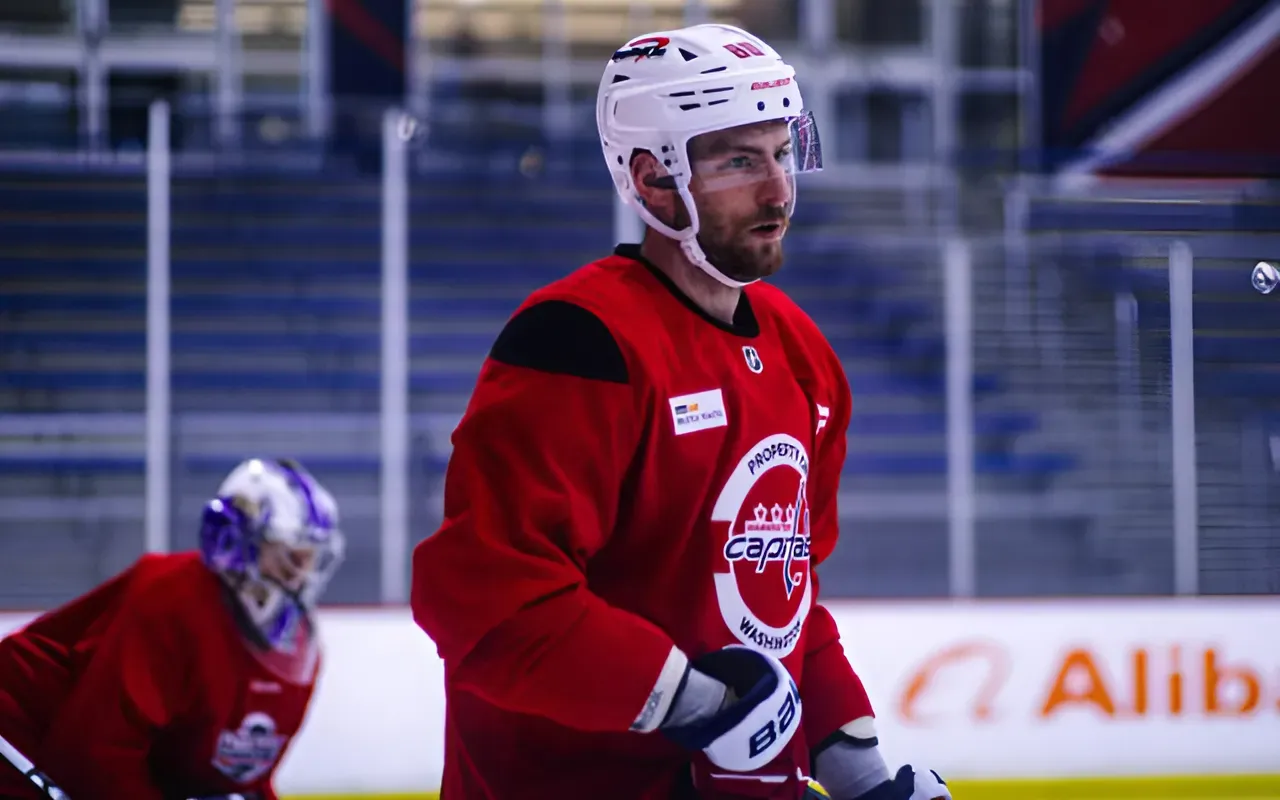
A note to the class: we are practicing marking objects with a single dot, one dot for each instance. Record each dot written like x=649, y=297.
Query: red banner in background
x=1160, y=87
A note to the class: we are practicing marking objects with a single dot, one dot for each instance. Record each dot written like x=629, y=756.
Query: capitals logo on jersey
x=246, y=754
x=764, y=591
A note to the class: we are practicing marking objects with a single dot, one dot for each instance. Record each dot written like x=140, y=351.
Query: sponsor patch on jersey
x=248, y=753
x=698, y=412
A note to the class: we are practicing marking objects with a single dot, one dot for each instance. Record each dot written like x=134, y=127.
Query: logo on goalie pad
x=764, y=592
x=246, y=754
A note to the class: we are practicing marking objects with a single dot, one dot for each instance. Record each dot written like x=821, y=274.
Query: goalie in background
x=188, y=674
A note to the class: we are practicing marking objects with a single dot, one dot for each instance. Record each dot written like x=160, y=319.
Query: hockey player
x=623, y=589
x=187, y=675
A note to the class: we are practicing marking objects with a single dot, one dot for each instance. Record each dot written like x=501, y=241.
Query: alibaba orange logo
x=917, y=685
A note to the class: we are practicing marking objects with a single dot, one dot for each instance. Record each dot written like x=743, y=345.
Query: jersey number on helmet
x=744, y=49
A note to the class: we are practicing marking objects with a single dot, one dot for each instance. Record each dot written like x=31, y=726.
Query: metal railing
x=1069, y=424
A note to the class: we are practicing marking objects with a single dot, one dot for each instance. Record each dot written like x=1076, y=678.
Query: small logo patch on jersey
x=753, y=359
x=698, y=412
x=247, y=754
x=824, y=416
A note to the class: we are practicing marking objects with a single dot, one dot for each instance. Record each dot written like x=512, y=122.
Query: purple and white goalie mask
x=272, y=535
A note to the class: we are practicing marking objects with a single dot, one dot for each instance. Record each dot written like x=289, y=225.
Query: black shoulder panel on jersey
x=561, y=337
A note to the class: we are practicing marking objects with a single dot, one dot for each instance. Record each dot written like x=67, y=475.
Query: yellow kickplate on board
x=1208, y=787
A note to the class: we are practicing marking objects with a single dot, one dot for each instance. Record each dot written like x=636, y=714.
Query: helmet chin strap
x=693, y=251
x=687, y=237
x=689, y=241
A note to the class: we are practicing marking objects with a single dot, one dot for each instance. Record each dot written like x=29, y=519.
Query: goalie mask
x=272, y=535
x=664, y=93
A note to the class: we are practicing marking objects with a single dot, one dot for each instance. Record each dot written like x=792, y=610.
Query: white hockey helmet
x=663, y=89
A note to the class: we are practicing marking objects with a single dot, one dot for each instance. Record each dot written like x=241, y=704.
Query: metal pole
x=158, y=374
x=817, y=32
x=961, y=484
x=229, y=68
x=416, y=64
x=1017, y=267
x=628, y=228
x=1186, y=509
x=557, y=72
x=943, y=39
x=395, y=361
x=817, y=24
x=316, y=72
x=1029, y=86
x=1128, y=384
x=93, y=75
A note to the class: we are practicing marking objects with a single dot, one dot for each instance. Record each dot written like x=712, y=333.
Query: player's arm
x=839, y=721
x=532, y=493
x=99, y=742
x=833, y=693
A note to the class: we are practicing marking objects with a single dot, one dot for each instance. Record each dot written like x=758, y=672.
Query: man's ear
x=656, y=189
x=645, y=172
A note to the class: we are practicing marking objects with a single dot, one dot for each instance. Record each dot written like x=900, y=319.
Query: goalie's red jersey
x=633, y=484
x=147, y=689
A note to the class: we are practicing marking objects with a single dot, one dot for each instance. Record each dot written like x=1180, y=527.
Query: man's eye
x=740, y=162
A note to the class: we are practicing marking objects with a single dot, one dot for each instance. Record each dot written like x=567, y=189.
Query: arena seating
x=276, y=311
x=1237, y=331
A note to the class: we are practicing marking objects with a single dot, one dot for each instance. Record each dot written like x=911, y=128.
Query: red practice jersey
x=147, y=688
x=633, y=482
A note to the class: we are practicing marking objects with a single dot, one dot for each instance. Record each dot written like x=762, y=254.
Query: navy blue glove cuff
x=747, y=674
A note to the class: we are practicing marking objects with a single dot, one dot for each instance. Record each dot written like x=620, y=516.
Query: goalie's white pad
x=758, y=725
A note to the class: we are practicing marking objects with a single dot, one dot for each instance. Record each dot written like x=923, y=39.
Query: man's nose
x=775, y=189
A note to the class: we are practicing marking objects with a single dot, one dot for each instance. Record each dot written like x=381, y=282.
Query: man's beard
x=737, y=256
x=741, y=261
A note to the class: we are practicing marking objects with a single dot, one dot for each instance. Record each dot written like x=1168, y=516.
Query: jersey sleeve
x=832, y=691
x=531, y=495
x=99, y=742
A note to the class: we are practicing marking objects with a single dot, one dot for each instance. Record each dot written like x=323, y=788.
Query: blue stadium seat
x=446, y=342
x=294, y=266
x=434, y=381
x=857, y=463
x=1096, y=216
x=1260, y=384
x=929, y=423
x=1228, y=346
x=1037, y=465
x=1246, y=313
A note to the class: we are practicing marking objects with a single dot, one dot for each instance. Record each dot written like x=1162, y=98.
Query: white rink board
x=976, y=689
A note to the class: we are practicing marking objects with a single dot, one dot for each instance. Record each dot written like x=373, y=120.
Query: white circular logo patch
x=763, y=585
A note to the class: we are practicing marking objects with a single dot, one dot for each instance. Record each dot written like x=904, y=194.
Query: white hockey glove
x=920, y=784
x=760, y=713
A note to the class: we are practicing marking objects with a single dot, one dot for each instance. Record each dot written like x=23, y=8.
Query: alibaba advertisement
x=1082, y=688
